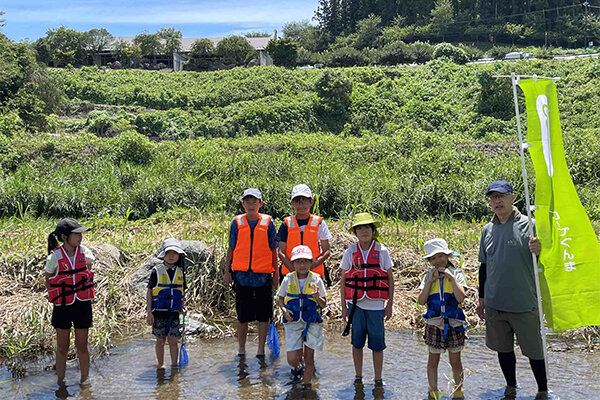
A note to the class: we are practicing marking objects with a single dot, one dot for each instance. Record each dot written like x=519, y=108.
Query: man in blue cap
x=507, y=292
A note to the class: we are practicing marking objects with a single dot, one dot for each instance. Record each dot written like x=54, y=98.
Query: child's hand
x=448, y=274
x=432, y=276
x=388, y=311
x=150, y=318
x=287, y=314
x=345, y=314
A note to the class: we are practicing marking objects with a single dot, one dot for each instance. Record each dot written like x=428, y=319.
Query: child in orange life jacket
x=70, y=287
x=443, y=289
x=165, y=300
x=301, y=298
x=366, y=283
x=252, y=259
x=303, y=228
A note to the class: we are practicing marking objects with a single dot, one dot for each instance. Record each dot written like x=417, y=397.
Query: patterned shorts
x=434, y=338
x=159, y=328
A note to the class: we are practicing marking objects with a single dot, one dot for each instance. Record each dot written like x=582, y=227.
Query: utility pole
x=586, y=8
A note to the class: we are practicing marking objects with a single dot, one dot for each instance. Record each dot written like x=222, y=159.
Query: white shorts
x=293, y=336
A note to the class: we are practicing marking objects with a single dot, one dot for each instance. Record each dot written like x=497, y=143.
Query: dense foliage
x=405, y=141
x=558, y=22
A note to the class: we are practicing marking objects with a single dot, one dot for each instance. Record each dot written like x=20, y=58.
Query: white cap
x=303, y=252
x=252, y=192
x=435, y=246
x=170, y=244
x=301, y=190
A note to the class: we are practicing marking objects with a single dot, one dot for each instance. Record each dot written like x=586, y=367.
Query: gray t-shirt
x=504, y=248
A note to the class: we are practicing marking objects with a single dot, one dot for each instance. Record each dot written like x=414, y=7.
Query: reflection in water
x=214, y=373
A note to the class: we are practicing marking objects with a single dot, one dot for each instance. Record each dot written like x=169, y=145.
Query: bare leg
x=263, y=329
x=62, y=349
x=357, y=356
x=173, y=349
x=294, y=357
x=378, y=364
x=242, y=333
x=309, y=366
x=160, y=352
x=432, y=371
x=83, y=353
x=457, y=370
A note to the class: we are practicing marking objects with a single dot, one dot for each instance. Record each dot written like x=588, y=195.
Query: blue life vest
x=302, y=303
x=443, y=303
x=167, y=295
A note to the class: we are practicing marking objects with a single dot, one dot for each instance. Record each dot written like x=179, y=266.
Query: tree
x=127, y=53
x=67, y=46
x=2, y=20
x=201, y=54
x=442, y=17
x=367, y=31
x=172, y=40
x=513, y=30
x=257, y=34
x=235, y=50
x=307, y=35
x=98, y=40
x=329, y=15
x=149, y=44
x=284, y=52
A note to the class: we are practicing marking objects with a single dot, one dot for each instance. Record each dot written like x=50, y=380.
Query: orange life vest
x=70, y=282
x=252, y=251
x=366, y=278
x=310, y=238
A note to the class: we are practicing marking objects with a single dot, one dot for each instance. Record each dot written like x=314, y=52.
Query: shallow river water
x=215, y=372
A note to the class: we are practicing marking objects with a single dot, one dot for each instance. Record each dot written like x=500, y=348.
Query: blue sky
x=202, y=18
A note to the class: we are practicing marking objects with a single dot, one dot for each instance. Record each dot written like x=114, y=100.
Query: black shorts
x=78, y=314
x=254, y=303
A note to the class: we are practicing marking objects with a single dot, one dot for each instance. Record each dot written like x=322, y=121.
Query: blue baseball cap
x=500, y=186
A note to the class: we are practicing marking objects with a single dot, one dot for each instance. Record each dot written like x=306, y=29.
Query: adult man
x=507, y=293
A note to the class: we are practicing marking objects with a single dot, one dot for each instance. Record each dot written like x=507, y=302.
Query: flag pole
x=522, y=146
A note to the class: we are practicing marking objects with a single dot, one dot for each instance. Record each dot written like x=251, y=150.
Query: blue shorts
x=368, y=323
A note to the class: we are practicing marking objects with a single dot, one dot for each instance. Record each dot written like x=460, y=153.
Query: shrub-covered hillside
x=406, y=142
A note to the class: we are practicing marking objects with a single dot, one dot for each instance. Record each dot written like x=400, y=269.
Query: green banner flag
x=570, y=256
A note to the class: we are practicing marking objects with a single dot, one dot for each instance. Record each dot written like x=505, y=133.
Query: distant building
x=178, y=59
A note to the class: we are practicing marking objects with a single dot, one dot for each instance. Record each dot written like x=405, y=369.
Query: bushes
x=454, y=53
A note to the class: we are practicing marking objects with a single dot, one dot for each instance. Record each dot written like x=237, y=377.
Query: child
x=443, y=289
x=301, y=298
x=367, y=282
x=70, y=287
x=304, y=228
x=165, y=300
x=252, y=258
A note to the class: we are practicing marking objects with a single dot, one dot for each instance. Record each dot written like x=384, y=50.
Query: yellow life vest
x=167, y=295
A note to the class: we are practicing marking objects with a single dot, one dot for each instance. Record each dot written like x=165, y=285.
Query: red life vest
x=252, y=251
x=309, y=237
x=70, y=282
x=366, y=278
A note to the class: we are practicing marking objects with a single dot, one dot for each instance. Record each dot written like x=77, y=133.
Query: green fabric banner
x=570, y=256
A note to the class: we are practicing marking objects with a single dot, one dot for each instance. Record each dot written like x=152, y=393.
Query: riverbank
x=122, y=246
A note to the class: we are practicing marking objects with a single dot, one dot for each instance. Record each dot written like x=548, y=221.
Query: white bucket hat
x=170, y=244
x=435, y=246
x=301, y=252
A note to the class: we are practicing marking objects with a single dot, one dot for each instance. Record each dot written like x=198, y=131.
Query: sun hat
x=500, y=186
x=363, y=219
x=301, y=190
x=252, y=192
x=170, y=244
x=301, y=252
x=435, y=246
x=69, y=225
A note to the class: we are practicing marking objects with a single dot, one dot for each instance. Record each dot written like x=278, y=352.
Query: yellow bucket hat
x=363, y=219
